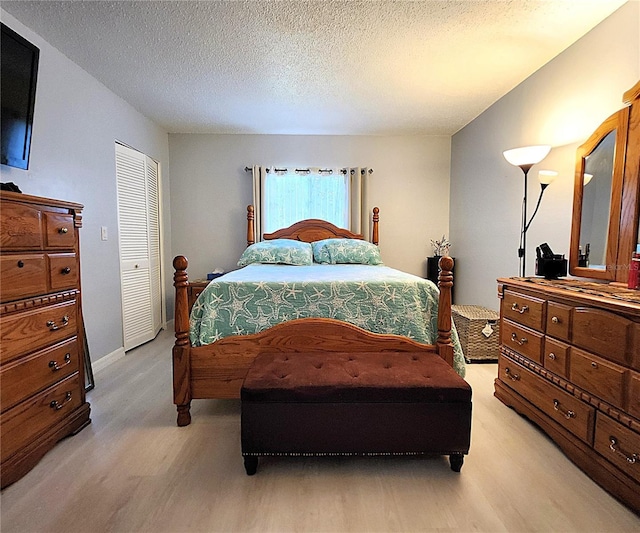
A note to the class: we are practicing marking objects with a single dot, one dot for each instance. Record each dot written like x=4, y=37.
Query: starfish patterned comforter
x=376, y=298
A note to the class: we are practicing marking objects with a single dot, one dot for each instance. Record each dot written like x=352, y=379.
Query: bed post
x=445, y=282
x=181, y=363
x=376, y=219
x=251, y=239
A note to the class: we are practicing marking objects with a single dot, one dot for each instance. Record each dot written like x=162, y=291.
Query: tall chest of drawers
x=570, y=362
x=42, y=390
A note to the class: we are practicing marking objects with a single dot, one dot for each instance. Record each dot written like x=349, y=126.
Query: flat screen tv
x=19, y=71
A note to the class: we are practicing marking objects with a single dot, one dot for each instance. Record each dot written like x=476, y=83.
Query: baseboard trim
x=108, y=359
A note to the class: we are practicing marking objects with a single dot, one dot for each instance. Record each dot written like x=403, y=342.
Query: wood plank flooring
x=134, y=470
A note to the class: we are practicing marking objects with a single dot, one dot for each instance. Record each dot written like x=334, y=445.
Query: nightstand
x=194, y=289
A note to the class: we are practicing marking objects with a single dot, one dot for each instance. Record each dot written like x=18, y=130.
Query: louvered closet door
x=138, y=217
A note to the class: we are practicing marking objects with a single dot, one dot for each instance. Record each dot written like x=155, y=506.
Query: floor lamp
x=525, y=158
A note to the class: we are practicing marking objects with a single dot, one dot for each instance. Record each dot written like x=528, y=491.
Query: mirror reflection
x=596, y=202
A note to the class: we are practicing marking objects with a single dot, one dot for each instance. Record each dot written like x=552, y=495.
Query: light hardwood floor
x=133, y=470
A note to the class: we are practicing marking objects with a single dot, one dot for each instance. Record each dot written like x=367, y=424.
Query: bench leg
x=456, y=460
x=251, y=464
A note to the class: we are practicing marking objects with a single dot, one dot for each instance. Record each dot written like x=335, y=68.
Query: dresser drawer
x=597, y=376
x=63, y=271
x=523, y=340
x=556, y=356
x=28, y=375
x=618, y=444
x=565, y=409
x=558, y=317
x=20, y=227
x=24, y=422
x=634, y=395
x=601, y=332
x=22, y=275
x=522, y=309
x=60, y=231
x=24, y=332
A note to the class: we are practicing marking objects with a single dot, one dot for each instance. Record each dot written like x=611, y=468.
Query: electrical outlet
x=103, y=233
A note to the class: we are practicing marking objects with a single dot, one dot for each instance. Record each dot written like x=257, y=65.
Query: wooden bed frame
x=217, y=370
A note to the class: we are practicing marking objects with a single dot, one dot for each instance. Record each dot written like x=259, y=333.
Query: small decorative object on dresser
x=479, y=332
x=42, y=398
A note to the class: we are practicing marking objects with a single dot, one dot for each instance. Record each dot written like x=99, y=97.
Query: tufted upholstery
x=354, y=377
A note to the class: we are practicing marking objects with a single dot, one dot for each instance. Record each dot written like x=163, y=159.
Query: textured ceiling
x=312, y=67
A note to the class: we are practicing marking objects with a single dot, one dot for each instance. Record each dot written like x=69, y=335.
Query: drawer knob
x=55, y=405
x=517, y=308
x=552, y=356
x=63, y=230
x=65, y=270
x=20, y=263
x=594, y=364
x=521, y=341
x=631, y=458
x=510, y=375
x=51, y=324
x=567, y=414
x=53, y=365
x=555, y=320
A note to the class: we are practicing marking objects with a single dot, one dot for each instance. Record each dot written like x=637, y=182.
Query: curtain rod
x=307, y=170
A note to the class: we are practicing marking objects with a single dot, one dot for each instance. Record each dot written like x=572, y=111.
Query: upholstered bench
x=383, y=403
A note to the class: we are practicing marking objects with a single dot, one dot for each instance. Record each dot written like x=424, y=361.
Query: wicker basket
x=478, y=329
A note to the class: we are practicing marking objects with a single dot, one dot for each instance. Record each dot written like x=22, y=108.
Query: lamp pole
x=522, y=251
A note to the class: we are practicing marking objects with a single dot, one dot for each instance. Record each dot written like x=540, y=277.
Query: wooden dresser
x=570, y=362
x=42, y=389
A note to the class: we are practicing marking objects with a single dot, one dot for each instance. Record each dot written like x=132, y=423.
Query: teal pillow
x=355, y=251
x=280, y=251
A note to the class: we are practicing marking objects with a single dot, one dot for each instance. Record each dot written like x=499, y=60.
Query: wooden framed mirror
x=606, y=201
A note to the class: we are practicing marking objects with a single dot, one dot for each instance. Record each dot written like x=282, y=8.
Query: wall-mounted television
x=18, y=73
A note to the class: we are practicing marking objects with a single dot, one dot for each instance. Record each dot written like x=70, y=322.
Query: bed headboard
x=310, y=230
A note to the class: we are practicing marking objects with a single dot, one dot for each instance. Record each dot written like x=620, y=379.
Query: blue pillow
x=278, y=251
x=354, y=251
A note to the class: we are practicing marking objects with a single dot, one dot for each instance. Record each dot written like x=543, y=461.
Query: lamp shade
x=527, y=155
x=545, y=177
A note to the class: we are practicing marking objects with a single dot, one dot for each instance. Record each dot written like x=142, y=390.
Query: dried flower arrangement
x=440, y=247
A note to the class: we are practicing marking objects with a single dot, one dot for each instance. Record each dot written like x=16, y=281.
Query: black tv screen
x=19, y=70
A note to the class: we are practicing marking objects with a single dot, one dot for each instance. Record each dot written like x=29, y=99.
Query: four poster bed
x=331, y=303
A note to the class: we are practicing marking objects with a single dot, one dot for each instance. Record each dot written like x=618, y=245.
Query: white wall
x=560, y=104
x=210, y=190
x=76, y=123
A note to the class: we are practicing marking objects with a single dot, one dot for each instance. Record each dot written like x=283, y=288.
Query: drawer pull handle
x=552, y=356
x=521, y=310
x=57, y=406
x=51, y=324
x=63, y=230
x=521, y=341
x=65, y=270
x=613, y=446
x=594, y=364
x=567, y=414
x=555, y=320
x=20, y=263
x=513, y=377
x=53, y=365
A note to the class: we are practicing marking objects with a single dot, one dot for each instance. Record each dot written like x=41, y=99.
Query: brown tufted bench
x=382, y=403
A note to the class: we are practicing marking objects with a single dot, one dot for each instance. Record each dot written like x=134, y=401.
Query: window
x=291, y=196
x=282, y=197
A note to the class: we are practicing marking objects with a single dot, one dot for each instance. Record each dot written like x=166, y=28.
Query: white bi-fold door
x=139, y=232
